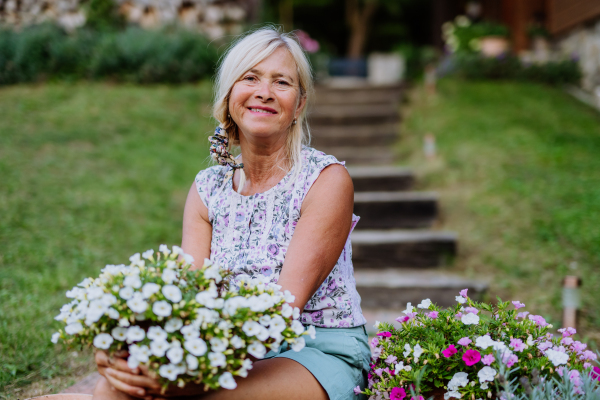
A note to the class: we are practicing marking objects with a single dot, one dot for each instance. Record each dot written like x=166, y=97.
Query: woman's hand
x=134, y=382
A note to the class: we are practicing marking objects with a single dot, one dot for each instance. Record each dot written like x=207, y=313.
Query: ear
x=300, y=107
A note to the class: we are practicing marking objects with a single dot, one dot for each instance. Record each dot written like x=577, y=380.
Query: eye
x=249, y=78
x=280, y=82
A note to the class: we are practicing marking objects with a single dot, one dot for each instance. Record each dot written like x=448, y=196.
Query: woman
x=282, y=210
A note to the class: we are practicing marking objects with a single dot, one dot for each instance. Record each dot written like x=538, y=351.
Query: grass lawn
x=518, y=171
x=90, y=173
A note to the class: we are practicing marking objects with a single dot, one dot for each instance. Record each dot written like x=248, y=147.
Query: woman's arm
x=321, y=233
x=197, y=229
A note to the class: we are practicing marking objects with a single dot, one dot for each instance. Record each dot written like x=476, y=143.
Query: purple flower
x=378, y=372
x=518, y=305
x=517, y=344
x=391, y=359
x=374, y=342
x=509, y=359
x=433, y=315
x=567, y=341
x=588, y=355
x=539, y=320
x=357, y=390
x=471, y=310
x=522, y=314
x=317, y=316
x=471, y=357
x=566, y=332
x=273, y=249
x=463, y=293
x=464, y=341
x=545, y=345
x=488, y=359
x=450, y=351
x=458, y=315
x=578, y=346
x=239, y=217
x=398, y=394
x=403, y=319
x=384, y=334
x=332, y=285
x=595, y=373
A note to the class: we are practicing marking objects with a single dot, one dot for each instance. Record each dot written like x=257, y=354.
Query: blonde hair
x=246, y=52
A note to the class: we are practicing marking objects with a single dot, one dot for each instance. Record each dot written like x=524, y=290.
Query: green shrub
x=477, y=67
x=134, y=55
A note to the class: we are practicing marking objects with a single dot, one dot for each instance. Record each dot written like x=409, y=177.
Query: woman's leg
x=104, y=391
x=275, y=378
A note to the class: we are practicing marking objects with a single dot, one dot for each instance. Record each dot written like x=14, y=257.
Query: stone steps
x=395, y=210
x=381, y=178
x=376, y=249
x=355, y=156
x=363, y=94
x=342, y=114
x=391, y=289
x=354, y=135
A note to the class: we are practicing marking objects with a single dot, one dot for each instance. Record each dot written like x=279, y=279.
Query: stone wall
x=584, y=43
x=215, y=18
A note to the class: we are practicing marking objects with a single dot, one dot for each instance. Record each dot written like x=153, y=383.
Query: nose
x=264, y=91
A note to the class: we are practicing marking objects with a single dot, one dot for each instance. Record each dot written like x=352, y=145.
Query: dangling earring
x=294, y=123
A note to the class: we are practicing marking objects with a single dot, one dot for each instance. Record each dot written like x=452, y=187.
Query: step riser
x=402, y=255
x=325, y=95
x=383, y=184
x=327, y=120
x=379, y=156
x=355, y=130
x=355, y=141
x=394, y=298
x=396, y=214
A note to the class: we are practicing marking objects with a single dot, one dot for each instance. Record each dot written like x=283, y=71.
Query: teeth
x=261, y=111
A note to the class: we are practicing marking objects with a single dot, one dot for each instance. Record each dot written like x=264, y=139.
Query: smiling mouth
x=260, y=110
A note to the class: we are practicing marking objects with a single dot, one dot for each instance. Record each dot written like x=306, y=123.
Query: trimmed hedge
x=477, y=67
x=133, y=55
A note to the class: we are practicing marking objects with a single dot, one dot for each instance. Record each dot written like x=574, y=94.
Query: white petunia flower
x=169, y=276
x=409, y=308
x=298, y=344
x=112, y=313
x=407, y=350
x=124, y=322
x=257, y=349
x=263, y=333
x=119, y=333
x=133, y=281
x=76, y=293
x=171, y=264
x=246, y=365
x=286, y=310
x=142, y=353
x=163, y=248
x=288, y=296
x=126, y=293
x=486, y=374
x=218, y=345
x=237, y=342
x=312, y=332
x=399, y=367
x=175, y=354
x=55, y=337
x=460, y=379
x=192, y=362
x=219, y=303
x=460, y=299
x=96, y=310
x=424, y=304
x=135, y=334
x=250, y=328
x=73, y=328
x=168, y=371
x=470, y=319
x=132, y=361
x=297, y=327
x=137, y=303
x=557, y=357
x=213, y=272
x=278, y=324
x=174, y=324
x=162, y=308
x=265, y=320
x=178, y=250
x=156, y=333
x=296, y=313
x=103, y=341
x=149, y=289
x=376, y=325
x=94, y=293
x=148, y=254
x=484, y=342
x=188, y=258
x=108, y=299
x=172, y=293
x=452, y=393
x=190, y=332
x=484, y=386
x=417, y=351
x=196, y=347
x=226, y=381
x=159, y=347
x=217, y=359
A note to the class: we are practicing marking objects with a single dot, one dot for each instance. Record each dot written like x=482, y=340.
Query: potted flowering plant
x=458, y=352
x=185, y=325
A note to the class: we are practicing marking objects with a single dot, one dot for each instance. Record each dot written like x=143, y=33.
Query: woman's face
x=266, y=99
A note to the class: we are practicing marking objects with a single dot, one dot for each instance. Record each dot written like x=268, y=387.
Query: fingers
x=137, y=381
x=101, y=358
x=121, y=365
x=124, y=387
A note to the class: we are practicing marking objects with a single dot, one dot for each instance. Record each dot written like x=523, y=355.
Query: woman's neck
x=264, y=166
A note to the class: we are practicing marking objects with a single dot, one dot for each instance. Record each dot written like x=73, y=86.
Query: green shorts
x=338, y=357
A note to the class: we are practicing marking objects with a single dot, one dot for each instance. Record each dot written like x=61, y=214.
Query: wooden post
x=570, y=301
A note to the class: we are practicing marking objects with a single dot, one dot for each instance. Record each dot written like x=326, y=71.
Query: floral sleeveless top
x=251, y=234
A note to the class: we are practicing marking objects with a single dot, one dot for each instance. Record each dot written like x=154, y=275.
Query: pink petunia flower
x=567, y=341
x=378, y=372
x=588, y=355
x=471, y=357
x=518, y=305
x=522, y=314
x=544, y=345
x=566, y=332
x=595, y=373
x=458, y=315
x=578, y=346
x=539, y=320
x=391, y=359
x=488, y=359
x=374, y=342
x=433, y=315
x=357, y=390
x=385, y=334
x=510, y=360
x=463, y=293
x=517, y=344
x=403, y=319
x=471, y=310
x=450, y=351
x=397, y=393
x=464, y=341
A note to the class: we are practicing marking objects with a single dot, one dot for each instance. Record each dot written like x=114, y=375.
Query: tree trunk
x=286, y=15
x=358, y=19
